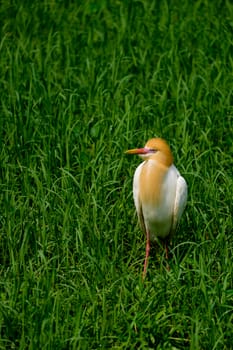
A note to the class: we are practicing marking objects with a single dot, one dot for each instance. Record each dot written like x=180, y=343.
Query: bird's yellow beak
x=138, y=151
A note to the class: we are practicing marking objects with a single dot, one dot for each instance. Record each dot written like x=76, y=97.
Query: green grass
x=81, y=82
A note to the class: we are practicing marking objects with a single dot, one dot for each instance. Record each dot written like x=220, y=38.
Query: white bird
x=159, y=192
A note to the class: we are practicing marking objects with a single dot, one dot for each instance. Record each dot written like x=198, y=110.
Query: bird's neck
x=151, y=180
x=164, y=158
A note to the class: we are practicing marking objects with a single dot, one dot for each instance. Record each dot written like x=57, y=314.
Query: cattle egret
x=159, y=192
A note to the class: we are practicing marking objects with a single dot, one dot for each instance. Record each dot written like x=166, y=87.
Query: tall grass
x=80, y=83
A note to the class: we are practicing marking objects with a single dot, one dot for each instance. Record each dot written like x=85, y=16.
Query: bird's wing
x=136, y=198
x=141, y=219
x=180, y=201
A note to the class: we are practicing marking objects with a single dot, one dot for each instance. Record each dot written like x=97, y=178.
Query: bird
x=159, y=193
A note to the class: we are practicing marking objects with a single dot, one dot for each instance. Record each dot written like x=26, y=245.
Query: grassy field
x=81, y=82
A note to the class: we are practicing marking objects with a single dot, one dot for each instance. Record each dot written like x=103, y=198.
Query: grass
x=81, y=82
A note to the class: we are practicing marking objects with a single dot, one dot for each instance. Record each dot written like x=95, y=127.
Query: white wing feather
x=180, y=201
x=137, y=202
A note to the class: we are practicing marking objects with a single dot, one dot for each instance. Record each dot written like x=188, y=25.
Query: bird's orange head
x=157, y=149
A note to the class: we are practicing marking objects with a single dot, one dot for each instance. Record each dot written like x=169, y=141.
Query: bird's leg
x=166, y=250
x=147, y=254
x=166, y=255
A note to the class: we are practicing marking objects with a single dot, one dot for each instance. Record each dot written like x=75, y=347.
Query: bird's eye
x=153, y=150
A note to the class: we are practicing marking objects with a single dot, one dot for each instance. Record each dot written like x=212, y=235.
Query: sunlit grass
x=80, y=84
